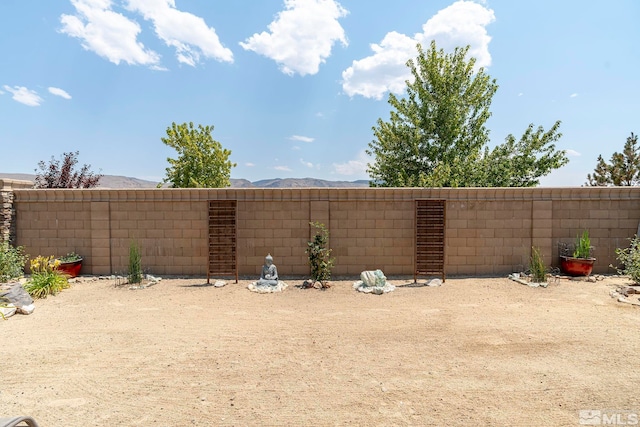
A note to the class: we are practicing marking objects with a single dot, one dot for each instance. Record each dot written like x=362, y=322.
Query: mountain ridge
x=119, y=181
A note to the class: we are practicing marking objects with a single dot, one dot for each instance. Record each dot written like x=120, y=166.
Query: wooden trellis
x=223, y=257
x=430, y=238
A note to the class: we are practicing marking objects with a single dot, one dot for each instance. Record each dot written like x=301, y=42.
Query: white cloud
x=573, y=95
x=460, y=24
x=187, y=33
x=249, y=164
x=107, y=33
x=24, y=96
x=357, y=166
x=573, y=153
x=307, y=164
x=282, y=168
x=520, y=94
x=301, y=37
x=301, y=138
x=59, y=92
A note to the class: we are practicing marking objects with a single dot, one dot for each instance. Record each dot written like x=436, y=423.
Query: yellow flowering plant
x=45, y=278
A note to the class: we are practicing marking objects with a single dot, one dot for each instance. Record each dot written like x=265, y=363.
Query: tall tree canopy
x=202, y=161
x=622, y=170
x=62, y=173
x=436, y=135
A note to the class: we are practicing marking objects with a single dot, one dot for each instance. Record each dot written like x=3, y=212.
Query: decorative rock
x=434, y=282
x=267, y=289
x=14, y=295
x=517, y=278
x=373, y=282
x=8, y=311
x=628, y=290
x=219, y=283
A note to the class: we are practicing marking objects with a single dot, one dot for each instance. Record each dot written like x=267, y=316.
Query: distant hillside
x=116, y=181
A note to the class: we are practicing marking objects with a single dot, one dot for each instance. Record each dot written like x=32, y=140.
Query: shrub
x=45, y=278
x=135, y=263
x=583, y=246
x=537, y=267
x=70, y=257
x=63, y=174
x=319, y=255
x=629, y=258
x=12, y=261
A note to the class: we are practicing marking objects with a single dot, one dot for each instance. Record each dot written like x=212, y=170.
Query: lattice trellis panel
x=430, y=238
x=223, y=257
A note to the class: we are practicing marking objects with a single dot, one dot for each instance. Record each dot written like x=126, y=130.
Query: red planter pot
x=71, y=269
x=576, y=266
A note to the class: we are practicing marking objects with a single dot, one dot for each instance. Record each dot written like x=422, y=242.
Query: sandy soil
x=477, y=352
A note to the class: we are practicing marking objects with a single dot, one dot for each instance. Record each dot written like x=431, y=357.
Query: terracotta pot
x=71, y=269
x=576, y=266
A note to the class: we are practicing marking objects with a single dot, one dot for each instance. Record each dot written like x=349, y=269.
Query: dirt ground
x=476, y=352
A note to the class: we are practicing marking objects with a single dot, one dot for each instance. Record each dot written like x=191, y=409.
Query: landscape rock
x=267, y=289
x=14, y=295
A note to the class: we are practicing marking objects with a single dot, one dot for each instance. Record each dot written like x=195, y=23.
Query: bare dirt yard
x=476, y=352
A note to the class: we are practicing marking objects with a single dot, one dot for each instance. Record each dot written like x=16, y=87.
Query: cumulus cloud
x=302, y=36
x=59, y=92
x=573, y=95
x=307, y=164
x=249, y=164
x=107, y=33
x=460, y=24
x=24, y=96
x=301, y=138
x=573, y=153
x=282, y=168
x=114, y=36
x=357, y=166
x=188, y=34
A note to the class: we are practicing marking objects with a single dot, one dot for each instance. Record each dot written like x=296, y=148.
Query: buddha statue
x=269, y=275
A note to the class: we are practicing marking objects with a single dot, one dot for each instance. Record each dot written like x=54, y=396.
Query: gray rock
x=14, y=293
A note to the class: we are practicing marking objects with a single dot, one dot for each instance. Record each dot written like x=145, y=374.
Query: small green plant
x=12, y=261
x=319, y=255
x=583, y=246
x=537, y=267
x=629, y=258
x=70, y=257
x=45, y=278
x=135, y=263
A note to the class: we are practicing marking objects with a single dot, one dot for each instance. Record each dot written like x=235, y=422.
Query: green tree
x=436, y=135
x=623, y=169
x=202, y=161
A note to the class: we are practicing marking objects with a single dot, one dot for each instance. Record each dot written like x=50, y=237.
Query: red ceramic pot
x=71, y=269
x=576, y=266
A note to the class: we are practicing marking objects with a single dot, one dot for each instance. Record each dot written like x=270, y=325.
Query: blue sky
x=293, y=87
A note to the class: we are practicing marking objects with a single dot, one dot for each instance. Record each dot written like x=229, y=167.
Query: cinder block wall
x=488, y=231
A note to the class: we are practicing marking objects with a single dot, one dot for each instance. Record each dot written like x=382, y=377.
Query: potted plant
x=70, y=264
x=577, y=260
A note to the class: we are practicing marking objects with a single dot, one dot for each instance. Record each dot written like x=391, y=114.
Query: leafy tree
x=202, y=162
x=522, y=163
x=62, y=174
x=436, y=135
x=623, y=169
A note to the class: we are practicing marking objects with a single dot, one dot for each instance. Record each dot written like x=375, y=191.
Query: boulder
x=13, y=294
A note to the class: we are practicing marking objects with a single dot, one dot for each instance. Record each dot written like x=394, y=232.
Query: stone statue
x=269, y=274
